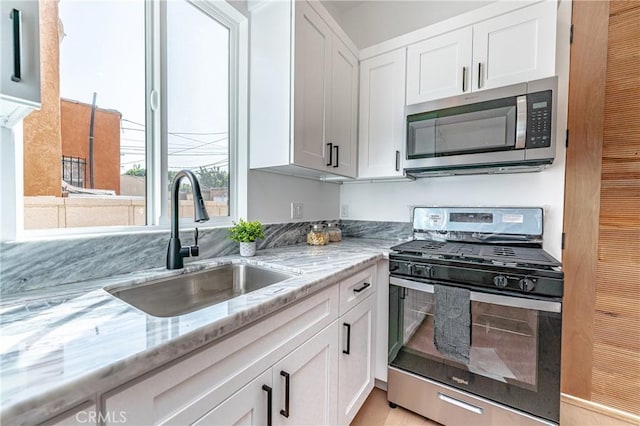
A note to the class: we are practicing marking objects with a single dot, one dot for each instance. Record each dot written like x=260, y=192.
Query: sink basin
x=178, y=295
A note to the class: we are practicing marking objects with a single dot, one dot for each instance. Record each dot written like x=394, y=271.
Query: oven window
x=504, y=340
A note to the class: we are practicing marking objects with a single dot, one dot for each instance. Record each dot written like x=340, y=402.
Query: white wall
x=271, y=195
x=371, y=22
x=392, y=201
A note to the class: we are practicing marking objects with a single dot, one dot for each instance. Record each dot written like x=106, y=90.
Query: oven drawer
x=450, y=406
x=356, y=288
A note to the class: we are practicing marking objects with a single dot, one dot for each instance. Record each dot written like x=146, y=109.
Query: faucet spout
x=175, y=251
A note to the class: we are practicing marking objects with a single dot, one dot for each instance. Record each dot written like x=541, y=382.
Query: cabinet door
x=439, y=67
x=312, y=388
x=19, y=60
x=356, y=359
x=20, y=64
x=515, y=47
x=311, y=87
x=343, y=110
x=249, y=406
x=381, y=139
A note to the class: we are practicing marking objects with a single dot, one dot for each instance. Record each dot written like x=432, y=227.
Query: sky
x=103, y=51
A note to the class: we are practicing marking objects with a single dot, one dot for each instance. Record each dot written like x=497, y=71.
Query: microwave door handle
x=521, y=122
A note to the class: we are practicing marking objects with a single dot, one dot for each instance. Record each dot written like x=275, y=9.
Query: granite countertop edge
x=321, y=268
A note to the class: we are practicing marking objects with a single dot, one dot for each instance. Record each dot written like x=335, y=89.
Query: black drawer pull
x=330, y=146
x=286, y=376
x=269, y=403
x=348, y=350
x=364, y=287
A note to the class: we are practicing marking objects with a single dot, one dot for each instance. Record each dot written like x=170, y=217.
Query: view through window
x=85, y=154
x=198, y=104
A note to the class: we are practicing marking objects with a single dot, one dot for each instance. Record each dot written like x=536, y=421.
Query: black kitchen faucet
x=176, y=252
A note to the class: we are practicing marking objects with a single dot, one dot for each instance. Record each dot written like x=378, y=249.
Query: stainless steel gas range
x=475, y=318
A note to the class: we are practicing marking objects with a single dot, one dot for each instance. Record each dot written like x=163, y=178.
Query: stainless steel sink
x=186, y=293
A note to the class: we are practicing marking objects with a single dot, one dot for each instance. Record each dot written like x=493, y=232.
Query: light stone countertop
x=58, y=350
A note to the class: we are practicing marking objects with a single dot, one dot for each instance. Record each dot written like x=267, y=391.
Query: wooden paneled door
x=601, y=334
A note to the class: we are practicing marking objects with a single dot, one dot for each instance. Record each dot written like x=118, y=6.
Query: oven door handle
x=494, y=299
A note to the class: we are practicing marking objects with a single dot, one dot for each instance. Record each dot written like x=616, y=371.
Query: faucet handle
x=195, y=250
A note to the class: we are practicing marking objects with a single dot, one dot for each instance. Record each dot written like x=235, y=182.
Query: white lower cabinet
x=356, y=358
x=248, y=407
x=83, y=415
x=304, y=365
x=184, y=392
x=305, y=383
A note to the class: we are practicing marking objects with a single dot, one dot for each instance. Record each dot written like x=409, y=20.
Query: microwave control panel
x=539, y=119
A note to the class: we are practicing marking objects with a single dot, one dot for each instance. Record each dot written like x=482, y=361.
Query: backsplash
x=33, y=265
x=377, y=230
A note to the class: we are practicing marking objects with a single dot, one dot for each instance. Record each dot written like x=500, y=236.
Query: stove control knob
x=428, y=271
x=500, y=281
x=527, y=284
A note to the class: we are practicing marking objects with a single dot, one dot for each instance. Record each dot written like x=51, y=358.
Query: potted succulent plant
x=246, y=233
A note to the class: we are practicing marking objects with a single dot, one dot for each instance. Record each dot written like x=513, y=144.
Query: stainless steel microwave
x=505, y=130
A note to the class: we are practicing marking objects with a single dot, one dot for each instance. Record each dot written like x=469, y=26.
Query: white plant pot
x=247, y=249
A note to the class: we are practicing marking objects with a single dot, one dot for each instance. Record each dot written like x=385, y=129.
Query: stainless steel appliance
x=485, y=266
x=508, y=129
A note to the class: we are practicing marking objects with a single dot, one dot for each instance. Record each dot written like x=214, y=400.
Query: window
x=73, y=171
x=133, y=92
x=198, y=106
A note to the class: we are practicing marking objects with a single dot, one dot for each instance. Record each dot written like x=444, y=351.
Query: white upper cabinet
x=515, y=47
x=19, y=60
x=303, y=106
x=381, y=138
x=312, y=75
x=439, y=67
x=342, y=123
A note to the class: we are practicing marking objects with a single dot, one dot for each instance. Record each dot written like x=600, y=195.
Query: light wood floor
x=376, y=412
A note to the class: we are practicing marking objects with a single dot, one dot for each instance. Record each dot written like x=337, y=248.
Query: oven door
x=515, y=346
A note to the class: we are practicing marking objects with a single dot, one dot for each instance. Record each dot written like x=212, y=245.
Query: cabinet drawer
x=185, y=391
x=356, y=288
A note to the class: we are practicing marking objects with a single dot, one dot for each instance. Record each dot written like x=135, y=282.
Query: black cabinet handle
x=464, y=79
x=364, y=286
x=479, y=75
x=330, y=145
x=269, y=403
x=337, y=148
x=287, y=383
x=16, y=16
x=348, y=350
x=397, y=161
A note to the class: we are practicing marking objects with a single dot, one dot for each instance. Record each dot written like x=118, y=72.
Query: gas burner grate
x=433, y=245
x=504, y=251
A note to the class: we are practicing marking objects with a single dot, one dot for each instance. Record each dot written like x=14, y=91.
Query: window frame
x=157, y=193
